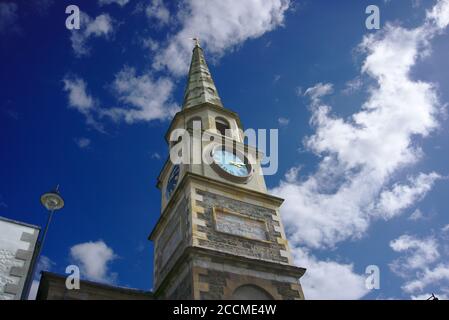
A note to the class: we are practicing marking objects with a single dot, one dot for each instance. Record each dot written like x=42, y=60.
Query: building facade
x=18, y=242
x=219, y=235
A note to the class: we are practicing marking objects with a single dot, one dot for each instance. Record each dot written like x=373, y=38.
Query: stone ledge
x=190, y=252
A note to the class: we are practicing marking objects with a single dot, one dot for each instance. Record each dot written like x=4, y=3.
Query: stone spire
x=200, y=86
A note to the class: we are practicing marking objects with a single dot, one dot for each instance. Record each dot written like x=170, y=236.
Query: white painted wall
x=10, y=234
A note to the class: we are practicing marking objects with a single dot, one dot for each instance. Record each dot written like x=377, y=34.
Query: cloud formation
x=422, y=264
x=360, y=155
x=220, y=25
x=101, y=26
x=416, y=215
x=77, y=94
x=145, y=98
x=81, y=100
x=318, y=91
x=157, y=11
x=324, y=280
x=438, y=275
x=93, y=259
x=141, y=98
x=422, y=252
x=393, y=201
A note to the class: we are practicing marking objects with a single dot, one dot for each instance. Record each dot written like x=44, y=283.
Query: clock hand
x=236, y=164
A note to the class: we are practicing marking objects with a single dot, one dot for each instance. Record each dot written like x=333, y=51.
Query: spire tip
x=197, y=41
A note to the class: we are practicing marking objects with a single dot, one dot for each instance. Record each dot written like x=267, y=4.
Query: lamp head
x=52, y=200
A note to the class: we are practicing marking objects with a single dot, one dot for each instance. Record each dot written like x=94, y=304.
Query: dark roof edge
x=47, y=274
x=20, y=223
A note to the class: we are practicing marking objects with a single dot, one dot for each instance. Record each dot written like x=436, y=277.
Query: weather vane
x=197, y=41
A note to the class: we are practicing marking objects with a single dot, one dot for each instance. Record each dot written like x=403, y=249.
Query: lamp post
x=52, y=201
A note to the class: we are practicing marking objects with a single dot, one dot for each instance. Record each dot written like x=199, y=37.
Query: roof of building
x=20, y=223
x=47, y=277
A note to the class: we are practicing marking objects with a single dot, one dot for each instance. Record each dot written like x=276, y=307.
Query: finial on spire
x=197, y=41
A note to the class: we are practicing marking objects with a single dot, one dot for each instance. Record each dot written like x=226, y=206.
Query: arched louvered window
x=222, y=125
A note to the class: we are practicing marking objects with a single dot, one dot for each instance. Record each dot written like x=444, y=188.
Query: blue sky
x=363, y=129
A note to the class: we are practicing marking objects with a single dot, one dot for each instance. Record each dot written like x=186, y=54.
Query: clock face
x=172, y=181
x=231, y=163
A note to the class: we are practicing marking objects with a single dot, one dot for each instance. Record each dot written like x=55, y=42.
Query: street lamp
x=52, y=201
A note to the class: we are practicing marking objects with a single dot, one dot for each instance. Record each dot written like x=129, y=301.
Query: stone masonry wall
x=267, y=250
x=183, y=289
x=218, y=282
x=172, y=242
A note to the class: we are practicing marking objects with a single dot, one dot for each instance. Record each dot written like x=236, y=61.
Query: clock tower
x=219, y=235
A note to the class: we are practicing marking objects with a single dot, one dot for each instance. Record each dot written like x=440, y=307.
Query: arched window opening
x=195, y=120
x=222, y=126
x=251, y=292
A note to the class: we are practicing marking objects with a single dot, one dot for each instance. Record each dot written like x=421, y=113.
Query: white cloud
x=101, y=26
x=353, y=86
x=416, y=215
x=150, y=44
x=78, y=96
x=93, y=259
x=425, y=296
x=144, y=99
x=147, y=98
x=419, y=253
x=401, y=196
x=318, y=91
x=438, y=275
x=421, y=264
x=440, y=14
x=361, y=154
x=292, y=174
x=329, y=279
x=158, y=11
x=81, y=100
x=8, y=17
x=221, y=25
x=283, y=121
x=82, y=143
x=121, y=3
x=445, y=228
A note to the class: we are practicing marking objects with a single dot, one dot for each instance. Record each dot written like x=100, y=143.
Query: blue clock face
x=231, y=163
x=172, y=181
